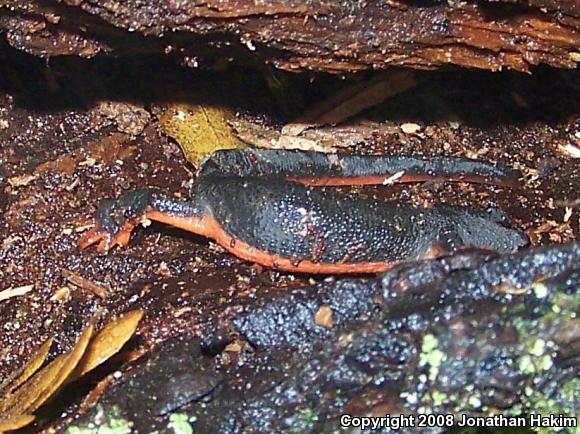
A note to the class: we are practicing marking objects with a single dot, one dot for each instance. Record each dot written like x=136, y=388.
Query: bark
x=320, y=35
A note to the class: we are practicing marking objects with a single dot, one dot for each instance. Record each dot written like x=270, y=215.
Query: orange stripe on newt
x=209, y=227
x=379, y=180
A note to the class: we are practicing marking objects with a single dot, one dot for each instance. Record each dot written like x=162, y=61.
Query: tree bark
x=319, y=35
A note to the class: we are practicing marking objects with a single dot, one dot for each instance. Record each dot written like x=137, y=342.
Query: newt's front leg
x=116, y=218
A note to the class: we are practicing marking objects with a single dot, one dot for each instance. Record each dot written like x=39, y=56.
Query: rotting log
x=471, y=335
x=319, y=35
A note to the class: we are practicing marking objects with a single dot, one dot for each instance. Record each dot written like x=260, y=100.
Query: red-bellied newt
x=266, y=206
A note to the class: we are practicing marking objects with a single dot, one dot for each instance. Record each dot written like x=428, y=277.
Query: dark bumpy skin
x=334, y=169
x=324, y=226
x=289, y=226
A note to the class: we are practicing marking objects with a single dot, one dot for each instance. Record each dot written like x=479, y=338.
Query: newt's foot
x=115, y=220
x=105, y=239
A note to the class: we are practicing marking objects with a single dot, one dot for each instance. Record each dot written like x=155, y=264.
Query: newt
x=266, y=206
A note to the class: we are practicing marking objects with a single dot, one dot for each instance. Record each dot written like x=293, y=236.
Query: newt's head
x=479, y=228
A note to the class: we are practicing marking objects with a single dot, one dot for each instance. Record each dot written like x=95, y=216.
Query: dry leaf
x=15, y=422
x=33, y=388
x=18, y=402
x=31, y=367
x=45, y=382
x=107, y=342
x=104, y=150
x=72, y=359
x=199, y=130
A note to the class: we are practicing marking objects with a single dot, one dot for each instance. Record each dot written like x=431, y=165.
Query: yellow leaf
x=31, y=367
x=46, y=382
x=15, y=423
x=107, y=342
x=199, y=130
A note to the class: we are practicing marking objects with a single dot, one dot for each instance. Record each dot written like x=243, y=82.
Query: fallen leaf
x=16, y=422
x=199, y=130
x=74, y=356
x=103, y=150
x=30, y=368
x=107, y=342
x=45, y=382
x=33, y=387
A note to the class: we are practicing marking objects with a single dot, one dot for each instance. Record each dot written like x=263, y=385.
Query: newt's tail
x=488, y=229
x=316, y=168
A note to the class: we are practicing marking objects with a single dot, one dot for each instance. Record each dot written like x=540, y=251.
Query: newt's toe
x=121, y=238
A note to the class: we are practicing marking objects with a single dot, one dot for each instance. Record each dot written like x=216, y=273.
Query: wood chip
x=567, y=214
x=410, y=128
x=81, y=282
x=234, y=347
x=15, y=292
x=323, y=317
x=570, y=150
x=21, y=181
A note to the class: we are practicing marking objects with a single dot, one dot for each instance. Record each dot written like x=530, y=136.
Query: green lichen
x=431, y=356
x=563, y=307
x=563, y=401
x=103, y=423
x=534, y=361
x=179, y=422
x=439, y=398
x=305, y=421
